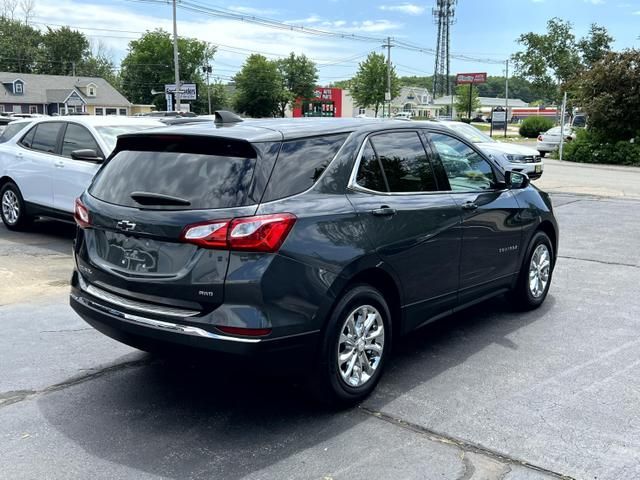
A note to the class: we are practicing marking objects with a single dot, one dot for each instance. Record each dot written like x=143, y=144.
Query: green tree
x=299, y=75
x=149, y=66
x=370, y=82
x=19, y=46
x=610, y=95
x=61, y=51
x=462, y=100
x=551, y=60
x=259, y=87
x=99, y=63
x=595, y=45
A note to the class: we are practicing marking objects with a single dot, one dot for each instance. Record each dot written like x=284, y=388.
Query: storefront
x=327, y=102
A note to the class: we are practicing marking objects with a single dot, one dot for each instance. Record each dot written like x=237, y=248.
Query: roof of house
x=56, y=88
x=485, y=101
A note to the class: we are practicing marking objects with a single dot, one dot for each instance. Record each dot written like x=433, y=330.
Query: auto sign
x=473, y=78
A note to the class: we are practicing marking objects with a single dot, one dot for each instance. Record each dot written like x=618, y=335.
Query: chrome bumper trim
x=161, y=325
x=132, y=304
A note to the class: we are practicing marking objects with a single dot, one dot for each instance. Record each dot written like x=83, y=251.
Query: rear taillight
x=261, y=233
x=539, y=138
x=81, y=215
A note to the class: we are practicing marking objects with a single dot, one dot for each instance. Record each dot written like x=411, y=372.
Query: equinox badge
x=125, y=225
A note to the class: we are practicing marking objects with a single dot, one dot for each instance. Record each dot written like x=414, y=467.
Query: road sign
x=188, y=91
x=471, y=78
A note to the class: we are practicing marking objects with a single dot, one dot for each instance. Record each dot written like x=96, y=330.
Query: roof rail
x=225, y=116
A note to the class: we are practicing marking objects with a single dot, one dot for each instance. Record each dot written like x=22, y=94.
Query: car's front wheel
x=355, y=346
x=12, y=209
x=535, y=276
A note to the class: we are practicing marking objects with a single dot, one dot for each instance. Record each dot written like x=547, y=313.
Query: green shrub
x=465, y=120
x=592, y=147
x=532, y=126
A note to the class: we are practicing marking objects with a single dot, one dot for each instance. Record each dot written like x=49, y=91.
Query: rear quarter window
x=300, y=163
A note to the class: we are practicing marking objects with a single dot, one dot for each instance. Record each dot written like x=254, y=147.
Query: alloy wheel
x=361, y=345
x=10, y=207
x=539, y=270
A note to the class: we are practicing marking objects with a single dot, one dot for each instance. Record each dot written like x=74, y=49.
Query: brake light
x=261, y=233
x=247, y=332
x=81, y=215
x=539, y=138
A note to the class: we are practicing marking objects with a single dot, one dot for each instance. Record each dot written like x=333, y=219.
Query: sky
x=485, y=30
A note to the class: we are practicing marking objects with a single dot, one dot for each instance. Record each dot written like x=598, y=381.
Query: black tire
x=522, y=297
x=542, y=154
x=8, y=192
x=328, y=386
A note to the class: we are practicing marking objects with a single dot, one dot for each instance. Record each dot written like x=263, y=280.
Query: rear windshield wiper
x=150, y=198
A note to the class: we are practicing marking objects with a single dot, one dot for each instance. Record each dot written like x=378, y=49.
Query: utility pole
x=176, y=61
x=562, y=115
x=207, y=71
x=506, y=97
x=387, y=95
x=73, y=68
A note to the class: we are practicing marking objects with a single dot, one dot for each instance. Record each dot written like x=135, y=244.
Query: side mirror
x=87, y=155
x=516, y=180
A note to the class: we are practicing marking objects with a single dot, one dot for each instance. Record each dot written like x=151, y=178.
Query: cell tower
x=443, y=16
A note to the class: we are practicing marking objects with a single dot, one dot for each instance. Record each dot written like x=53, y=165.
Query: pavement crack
x=67, y=330
x=464, y=445
x=603, y=262
x=11, y=397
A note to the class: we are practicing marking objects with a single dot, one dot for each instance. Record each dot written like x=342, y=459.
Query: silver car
x=549, y=141
x=508, y=156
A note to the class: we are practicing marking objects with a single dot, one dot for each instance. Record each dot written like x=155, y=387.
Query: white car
x=49, y=162
x=508, y=156
x=549, y=141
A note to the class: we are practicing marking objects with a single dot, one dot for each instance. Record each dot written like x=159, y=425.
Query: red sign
x=467, y=78
x=326, y=102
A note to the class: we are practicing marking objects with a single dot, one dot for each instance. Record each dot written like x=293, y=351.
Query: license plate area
x=538, y=168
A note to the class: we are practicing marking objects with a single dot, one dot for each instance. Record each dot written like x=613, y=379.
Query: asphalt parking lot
x=486, y=394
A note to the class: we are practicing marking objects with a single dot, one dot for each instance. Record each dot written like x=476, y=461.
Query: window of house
x=19, y=88
x=33, y=109
x=92, y=91
x=111, y=111
x=1, y=108
x=99, y=111
x=122, y=111
x=362, y=111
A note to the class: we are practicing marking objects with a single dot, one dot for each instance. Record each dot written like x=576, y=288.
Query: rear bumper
x=147, y=333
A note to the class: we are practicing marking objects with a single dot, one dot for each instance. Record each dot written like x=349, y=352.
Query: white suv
x=46, y=166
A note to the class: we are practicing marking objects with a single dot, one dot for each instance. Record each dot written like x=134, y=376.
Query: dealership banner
x=470, y=78
x=188, y=91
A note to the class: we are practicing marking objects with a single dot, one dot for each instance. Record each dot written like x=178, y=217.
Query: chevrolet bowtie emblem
x=125, y=225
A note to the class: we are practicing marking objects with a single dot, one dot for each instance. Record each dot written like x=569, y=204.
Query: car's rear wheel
x=12, y=209
x=535, y=275
x=355, y=346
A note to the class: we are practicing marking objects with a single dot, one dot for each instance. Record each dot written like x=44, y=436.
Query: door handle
x=384, y=211
x=469, y=206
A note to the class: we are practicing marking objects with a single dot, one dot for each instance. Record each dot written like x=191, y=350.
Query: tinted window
x=11, y=130
x=405, y=162
x=369, y=172
x=27, y=140
x=466, y=169
x=300, y=163
x=46, y=137
x=77, y=138
x=219, y=178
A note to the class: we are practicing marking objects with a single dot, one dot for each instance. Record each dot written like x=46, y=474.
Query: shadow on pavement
x=47, y=234
x=181, y=419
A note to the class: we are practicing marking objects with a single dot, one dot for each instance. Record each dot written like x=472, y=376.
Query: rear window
x=206, y=172
x=300, y=163
x=11, y=130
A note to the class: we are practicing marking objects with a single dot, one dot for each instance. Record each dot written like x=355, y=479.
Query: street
x=486, y=394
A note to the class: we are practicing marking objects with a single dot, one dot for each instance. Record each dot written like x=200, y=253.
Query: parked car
x=403, y=115
x=48, y=162
x=549, y=141
x=509, y=157
x=579, y=121
x=312, y=242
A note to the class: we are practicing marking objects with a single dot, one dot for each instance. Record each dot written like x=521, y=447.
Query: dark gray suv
x=313, y=240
